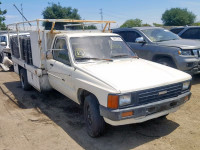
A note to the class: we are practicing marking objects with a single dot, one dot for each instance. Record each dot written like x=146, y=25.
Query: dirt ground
x=34, y=121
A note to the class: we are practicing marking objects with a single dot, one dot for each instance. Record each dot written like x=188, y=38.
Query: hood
x=181, y=43
x=134, y=74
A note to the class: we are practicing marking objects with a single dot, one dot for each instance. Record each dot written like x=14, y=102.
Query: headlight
x=196, y=52
x=115, y=101
x=185, y=52
x=186, y=85
x=124, y=99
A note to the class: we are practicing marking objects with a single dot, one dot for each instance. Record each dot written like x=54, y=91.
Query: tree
x=178, y=17
x=132, y=23
x=56, y=11
x=2, y=19
x=146, y=25
x=157, y=25
x=91, y=27
x=196, y=24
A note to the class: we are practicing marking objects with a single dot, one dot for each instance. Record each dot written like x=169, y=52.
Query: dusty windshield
x=93, y=48
x=159, y=35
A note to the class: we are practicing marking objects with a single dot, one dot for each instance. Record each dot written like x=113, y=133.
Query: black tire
x=166, y=62
x=24, y=80
x=165, y=116
x=94, y=122
x=1, y=57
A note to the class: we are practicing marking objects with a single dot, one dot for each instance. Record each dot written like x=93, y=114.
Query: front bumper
x=189, y=65
x=143, y=112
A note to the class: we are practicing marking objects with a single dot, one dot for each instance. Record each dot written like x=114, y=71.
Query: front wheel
x=94, y=121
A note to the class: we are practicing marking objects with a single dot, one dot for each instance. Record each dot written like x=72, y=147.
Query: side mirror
x=3, y=43
x=140, y=40
x=49, y=54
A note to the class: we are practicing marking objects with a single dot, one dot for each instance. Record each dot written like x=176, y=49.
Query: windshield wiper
x=123, y=55
x=166, y=40
x=120, y=55
x=88, y=58
x=162, y=40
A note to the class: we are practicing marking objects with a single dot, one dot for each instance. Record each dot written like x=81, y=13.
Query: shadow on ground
x=68, y=115
x=196, y=79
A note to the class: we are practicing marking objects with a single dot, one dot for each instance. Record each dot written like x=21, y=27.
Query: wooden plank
x=105, y=27
x=53, y=24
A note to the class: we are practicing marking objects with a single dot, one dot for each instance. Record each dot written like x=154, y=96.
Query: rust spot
x=39, y=42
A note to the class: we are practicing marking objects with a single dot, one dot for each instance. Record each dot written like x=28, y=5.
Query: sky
x=149, y=11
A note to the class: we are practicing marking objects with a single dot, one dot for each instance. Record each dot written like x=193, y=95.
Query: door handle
x=51, y=65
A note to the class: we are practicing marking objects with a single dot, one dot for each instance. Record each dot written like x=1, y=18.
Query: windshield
x=159, y=35
x=99, y=48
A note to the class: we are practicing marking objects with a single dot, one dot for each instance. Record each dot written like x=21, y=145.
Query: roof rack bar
x=53, y=25
x=105, y=27
x=65, y=20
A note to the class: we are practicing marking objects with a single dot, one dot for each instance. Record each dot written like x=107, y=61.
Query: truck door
x=59, y=68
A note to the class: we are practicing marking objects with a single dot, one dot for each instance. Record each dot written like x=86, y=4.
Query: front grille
x=158, y=94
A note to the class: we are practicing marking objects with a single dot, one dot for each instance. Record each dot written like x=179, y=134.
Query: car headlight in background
x=196, y=52
x=185, y=52
x=186, y=85
x=115, y=101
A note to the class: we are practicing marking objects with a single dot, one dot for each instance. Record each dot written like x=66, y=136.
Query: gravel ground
x=34, y=121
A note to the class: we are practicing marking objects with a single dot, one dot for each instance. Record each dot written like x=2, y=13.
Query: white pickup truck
x=101, y=73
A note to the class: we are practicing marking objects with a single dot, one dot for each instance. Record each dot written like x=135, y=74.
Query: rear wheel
x=94, y=121
x=166, y=62
x=24, y=80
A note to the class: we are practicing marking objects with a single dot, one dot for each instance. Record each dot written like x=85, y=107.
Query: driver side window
x=3, y=38
x=129, y=36
x=60, y=51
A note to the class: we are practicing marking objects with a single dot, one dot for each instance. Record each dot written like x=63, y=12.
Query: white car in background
x=4, y=45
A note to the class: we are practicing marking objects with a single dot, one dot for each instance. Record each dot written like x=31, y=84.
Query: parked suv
x=163, y=46
x=188, y=32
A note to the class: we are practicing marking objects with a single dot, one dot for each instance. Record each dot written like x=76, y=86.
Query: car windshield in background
x=99, y=48
x=159, y=35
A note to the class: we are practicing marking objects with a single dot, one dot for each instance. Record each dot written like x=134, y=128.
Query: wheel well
x=157, y=57
x=19, y=68
x=82, y=94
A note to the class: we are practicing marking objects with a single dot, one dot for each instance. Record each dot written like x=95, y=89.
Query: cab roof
x=135, y=28
x=86, y=34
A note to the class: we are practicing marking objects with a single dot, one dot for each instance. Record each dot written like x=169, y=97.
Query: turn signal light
x=186, y=98
x=113, y=101
x=126, y=114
